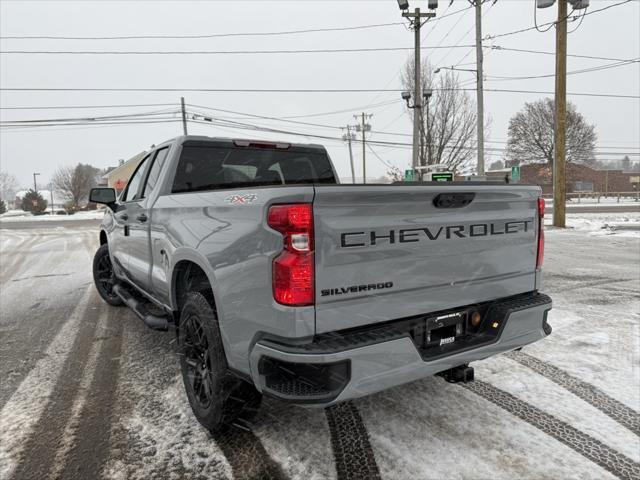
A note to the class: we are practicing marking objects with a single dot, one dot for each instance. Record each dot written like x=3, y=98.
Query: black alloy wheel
x=218, y=398
x=104, y=277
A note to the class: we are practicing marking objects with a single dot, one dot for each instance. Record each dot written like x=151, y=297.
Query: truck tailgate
x=386, y=252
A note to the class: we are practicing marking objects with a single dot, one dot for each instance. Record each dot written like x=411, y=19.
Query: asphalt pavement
x=88, y=392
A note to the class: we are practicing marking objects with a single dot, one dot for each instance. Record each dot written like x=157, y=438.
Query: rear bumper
x=343, y=366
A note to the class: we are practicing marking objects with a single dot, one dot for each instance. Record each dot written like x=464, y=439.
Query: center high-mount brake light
x=293, y=268
x=259, y=144
x=540, y=256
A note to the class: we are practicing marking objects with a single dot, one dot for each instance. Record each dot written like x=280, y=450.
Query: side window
x=131, y=192
x=154, y=172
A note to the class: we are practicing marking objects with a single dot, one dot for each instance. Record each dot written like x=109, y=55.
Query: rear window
x=211, y=168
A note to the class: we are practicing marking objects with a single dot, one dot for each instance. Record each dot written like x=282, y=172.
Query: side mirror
x=106, y=196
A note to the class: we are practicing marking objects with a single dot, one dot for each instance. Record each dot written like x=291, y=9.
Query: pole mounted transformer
x=576, y=4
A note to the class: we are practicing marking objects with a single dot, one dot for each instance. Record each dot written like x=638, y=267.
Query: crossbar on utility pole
x=479, y=91
x=417, y=82
x=559, y=185
x=184, y=116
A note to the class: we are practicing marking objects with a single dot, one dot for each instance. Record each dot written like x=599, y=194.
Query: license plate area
x=435, y=331
x=448, y=332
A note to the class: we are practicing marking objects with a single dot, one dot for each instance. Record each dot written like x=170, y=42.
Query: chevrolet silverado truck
x=279, y=281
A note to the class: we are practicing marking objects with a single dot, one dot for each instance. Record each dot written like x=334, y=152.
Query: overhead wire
x=291, y=90
x=200, y=36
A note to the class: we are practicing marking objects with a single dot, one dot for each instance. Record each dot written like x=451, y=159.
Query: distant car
x=279, y=281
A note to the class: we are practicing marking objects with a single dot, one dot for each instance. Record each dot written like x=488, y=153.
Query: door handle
x=124, y=217
x=142, y=218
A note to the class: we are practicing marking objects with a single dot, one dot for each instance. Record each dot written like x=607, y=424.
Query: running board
x=152, y=321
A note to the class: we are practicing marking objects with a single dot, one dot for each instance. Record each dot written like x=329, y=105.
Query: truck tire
x=104, y=277
x=217, y=397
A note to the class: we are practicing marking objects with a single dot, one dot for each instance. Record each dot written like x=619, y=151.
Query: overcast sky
x=611, y=33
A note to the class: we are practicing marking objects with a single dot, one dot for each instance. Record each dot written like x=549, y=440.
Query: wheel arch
x=189, y=275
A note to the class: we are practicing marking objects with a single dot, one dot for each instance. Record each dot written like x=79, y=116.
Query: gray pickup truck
x=280, y=281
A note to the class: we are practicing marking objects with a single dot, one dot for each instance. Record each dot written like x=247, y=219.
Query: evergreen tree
x=34, y=203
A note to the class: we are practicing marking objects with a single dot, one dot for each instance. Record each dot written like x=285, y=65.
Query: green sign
x=409, y=175
x=515, y=173
x=442, y=177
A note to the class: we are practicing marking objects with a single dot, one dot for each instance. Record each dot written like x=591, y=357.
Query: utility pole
x=417, y=97
x=559, y=185
x=51, y=192
x=347, y=137
x=184, y=116
x=364, y=127
x=416, y=23
x=479, y=91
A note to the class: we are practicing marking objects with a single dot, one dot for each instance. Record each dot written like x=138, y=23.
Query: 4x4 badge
x=241, y=199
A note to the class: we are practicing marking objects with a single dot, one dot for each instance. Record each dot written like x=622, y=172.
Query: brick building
x=580, y=178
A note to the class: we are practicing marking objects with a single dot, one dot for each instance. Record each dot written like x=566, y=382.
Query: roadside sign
x=634, y=179
x=515, y=173
x=442, y=177
x=409, y=175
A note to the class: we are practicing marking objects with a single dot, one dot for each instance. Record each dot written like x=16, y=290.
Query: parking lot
x=88, y=391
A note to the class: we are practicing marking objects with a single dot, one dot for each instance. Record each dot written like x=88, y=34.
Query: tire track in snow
x=352, y=451
x=22, y=412
x=53, y=435
x=246, y=455
x=89, y=450
x=68, y=440
x=594, y=450
x=20, y=253
x=611, y=407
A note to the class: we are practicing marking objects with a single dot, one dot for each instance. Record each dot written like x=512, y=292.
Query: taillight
x=540, y=257
x=293, y=268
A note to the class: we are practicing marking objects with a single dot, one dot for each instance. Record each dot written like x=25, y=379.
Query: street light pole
x=51, y=192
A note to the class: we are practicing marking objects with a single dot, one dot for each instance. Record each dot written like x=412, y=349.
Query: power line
x=573, y=72
x=214, y=35
x=298, y=90
x=61, y=107
x=215, y=52
x=591, y=57
x=536, y=27
x=96, y=119
x=11, y=126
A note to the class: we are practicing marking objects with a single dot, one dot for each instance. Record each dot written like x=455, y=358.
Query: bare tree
x=531, y=135
x=8, y=186
x=74, y=183
x=448, y=134
x=497, y=165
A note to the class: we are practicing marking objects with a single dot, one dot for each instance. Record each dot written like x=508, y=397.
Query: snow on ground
x=428, y=429
x=590, y=201
x=22, y=216
x=434, y=430
x=620, y=224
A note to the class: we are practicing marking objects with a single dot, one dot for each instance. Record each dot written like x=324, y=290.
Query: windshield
x=212, y=168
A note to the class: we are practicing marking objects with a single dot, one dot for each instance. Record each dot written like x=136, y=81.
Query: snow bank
x=21, y=216
x=620, y=224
